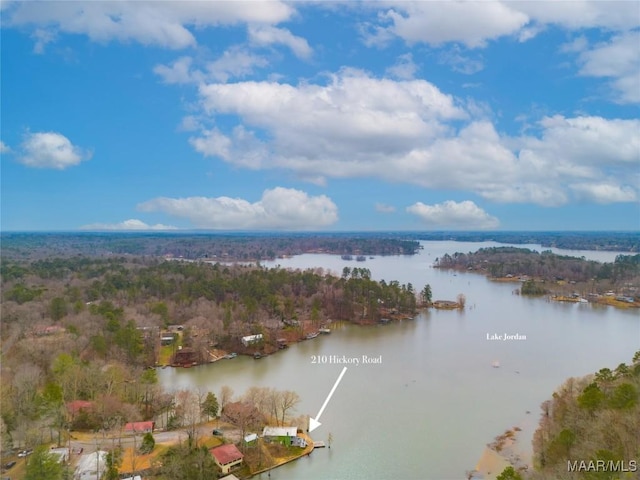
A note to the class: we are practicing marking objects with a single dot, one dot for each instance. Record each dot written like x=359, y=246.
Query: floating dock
x=318, y=444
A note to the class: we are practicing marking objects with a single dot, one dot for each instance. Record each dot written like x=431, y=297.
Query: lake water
x=429, y=409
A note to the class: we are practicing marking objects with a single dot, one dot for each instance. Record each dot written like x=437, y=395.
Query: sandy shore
x=508, y=449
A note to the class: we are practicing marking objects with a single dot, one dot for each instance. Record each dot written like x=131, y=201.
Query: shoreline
x=507, y=449
x=303, y=453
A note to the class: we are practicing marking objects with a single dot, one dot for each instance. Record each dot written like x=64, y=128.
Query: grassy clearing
x=165, y=354
x=132, y=461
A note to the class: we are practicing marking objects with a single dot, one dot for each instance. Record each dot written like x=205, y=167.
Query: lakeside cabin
x=287, y=436
x=227, y=457
x=251, y=339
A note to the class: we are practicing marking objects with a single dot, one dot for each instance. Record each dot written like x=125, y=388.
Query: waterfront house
x=227, y=457
x=185, y=357
x=139, y=427
x=251, y=339
x=284, y=435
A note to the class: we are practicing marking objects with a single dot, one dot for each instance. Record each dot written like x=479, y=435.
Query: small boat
x=326, y=331
x=346, y=257
x=384, y=320
x=312, y=335
x=495, y=364
x=361, y=258
x=231, y=355
x=257, y=355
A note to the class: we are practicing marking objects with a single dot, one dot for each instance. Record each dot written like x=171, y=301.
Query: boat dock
x=318, y=444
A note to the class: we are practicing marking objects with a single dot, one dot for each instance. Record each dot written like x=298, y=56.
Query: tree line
x=504, y=261
x=593, y=418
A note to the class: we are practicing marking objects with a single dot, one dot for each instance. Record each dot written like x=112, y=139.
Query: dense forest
x=622, y=275
x=81, y=329
x=216, y=246
x=593, y=418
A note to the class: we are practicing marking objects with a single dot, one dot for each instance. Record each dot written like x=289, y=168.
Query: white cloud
x=4, y=148
x=190, y=123
x=410, y=132
x=279, y=208
x=235, y=62
x=165, y=24
x=131, y=224
x=461, y=63
x=179, y=72
x=42, y=38
x=450, y=214
x=265, y=35
x=581, y=14
x=437, y=23
x=474, y=24
x=578, y=44
x=604, y=192
x=619, y=60
x=384, y=208
x=51, y=150
x=404, y=69
x=212, y=143
x=587, y=141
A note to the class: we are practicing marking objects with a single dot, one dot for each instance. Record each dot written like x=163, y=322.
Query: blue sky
x=350, y=115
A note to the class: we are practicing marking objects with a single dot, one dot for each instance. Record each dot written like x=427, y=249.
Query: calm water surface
x=429, y=409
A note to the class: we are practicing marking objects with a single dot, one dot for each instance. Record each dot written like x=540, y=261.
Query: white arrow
x=313, y=422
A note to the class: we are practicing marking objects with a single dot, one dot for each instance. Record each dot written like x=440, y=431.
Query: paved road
x=108, y=441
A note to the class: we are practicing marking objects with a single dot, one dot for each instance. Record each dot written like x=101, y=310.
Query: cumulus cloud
x=164, y=24
x=51, y=150
x=265, y=35
x=450, y=214
x=279, y=208
x=4, y=148
x=131, y=224
x=582, y=14
x=474, y=24
x=437, y=23
x=604, y=193
x=618, y=60
x=235, y=62
x=410, y=132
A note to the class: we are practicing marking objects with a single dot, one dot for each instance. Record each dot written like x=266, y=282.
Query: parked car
x=217, y=432
x=24, y=453
x=9, y=465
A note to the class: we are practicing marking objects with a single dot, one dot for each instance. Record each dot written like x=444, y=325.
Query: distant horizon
x=319, y=232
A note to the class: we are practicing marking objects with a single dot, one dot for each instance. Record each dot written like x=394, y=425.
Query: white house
x=285, y=435
x=251, y=339
x=91, y=466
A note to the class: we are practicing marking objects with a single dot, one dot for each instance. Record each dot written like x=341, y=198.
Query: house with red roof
x=77, y=406
x=139, y=427
x=227, y=457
